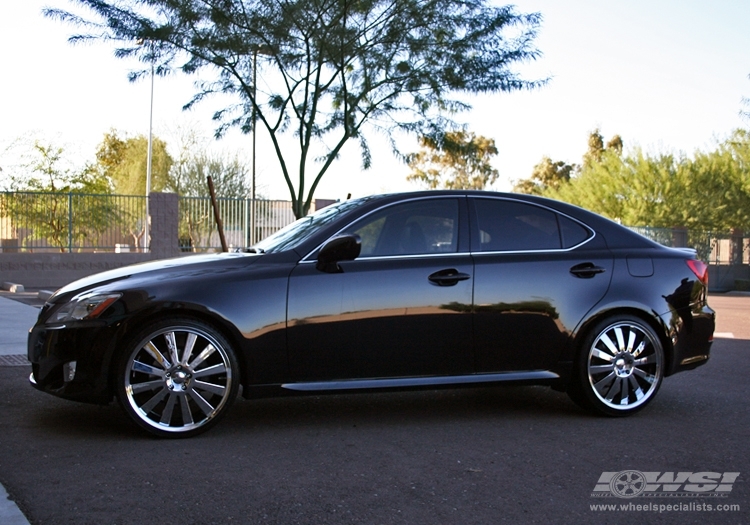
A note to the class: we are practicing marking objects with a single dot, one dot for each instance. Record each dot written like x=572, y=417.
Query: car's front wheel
x=620, y=367
x=177, y=378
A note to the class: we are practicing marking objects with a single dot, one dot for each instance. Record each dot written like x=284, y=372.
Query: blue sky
x=666, y=75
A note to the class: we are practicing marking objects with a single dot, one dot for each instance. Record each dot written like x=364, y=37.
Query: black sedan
x=416, y=290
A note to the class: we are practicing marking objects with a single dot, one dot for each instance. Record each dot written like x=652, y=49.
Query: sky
x=666, y=75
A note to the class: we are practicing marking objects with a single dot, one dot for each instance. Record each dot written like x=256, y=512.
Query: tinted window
x=515, y=226
x=301, y=229
x=419, y=227
x=573, y=233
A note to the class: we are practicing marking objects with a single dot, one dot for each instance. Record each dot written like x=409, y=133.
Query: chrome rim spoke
x=202, y=356
x=605, y=384
x=149, y=405
x=637, y=390
x=147, y=386
x=609, y=344
x=646, y=377
x=645, y=360
x=187, y=416
x=146, y=369
x=602, y=355
x=188, y=350
x=210, y=387
x=172, y=346
x=204, y=405
x=599, y=369
x=157, y=355
x=613, y=389
x=210, y=371
x=624, y=390
x=620, y=339
x=166, y=415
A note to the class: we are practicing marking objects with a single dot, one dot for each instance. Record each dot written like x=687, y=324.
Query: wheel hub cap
x=624, y=364
x=178, y=379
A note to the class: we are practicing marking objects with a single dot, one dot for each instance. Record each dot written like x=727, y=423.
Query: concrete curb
x=13, y=287
x=10, y=514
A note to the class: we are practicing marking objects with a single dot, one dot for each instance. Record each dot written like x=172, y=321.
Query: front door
x=401, y=309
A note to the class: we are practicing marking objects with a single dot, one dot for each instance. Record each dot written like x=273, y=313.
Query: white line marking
x=724, y=335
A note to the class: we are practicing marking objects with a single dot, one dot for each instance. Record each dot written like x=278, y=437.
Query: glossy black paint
x=468, y=314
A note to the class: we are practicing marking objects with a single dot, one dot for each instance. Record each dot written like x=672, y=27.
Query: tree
x=706, y=192
x=596, y=147
x=551, y=175
x=454, y=160
x=124, y=161
x=333, y=67
x=44, y=199
x=187, y=176
x=548, y=174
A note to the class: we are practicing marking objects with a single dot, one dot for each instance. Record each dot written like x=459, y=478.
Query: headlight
x=87, y=306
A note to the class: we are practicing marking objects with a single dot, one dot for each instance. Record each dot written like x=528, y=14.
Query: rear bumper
x=692, y=335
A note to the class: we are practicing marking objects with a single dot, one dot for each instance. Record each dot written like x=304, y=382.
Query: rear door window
x=511, y=226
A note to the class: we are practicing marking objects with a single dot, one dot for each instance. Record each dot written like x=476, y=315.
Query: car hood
x=155, y=269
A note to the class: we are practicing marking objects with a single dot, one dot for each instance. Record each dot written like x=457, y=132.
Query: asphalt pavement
x=15, y=319
x=511, y=455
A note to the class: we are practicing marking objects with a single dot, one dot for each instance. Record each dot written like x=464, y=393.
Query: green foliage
x=334, y=67
x=454, y=160
x=124, y=161
x=548, y=174
x=710, y=191
x=44, y=199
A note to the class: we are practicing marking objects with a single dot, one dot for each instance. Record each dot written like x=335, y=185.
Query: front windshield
x=292, y=235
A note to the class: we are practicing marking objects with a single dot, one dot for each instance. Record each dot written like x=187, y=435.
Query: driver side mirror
x=341, y=248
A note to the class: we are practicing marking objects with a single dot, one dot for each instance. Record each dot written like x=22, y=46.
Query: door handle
x=586, y=270
x=448, y=277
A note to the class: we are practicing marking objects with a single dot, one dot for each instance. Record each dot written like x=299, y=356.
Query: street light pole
x=149, y=159
x=149, y=154
x=263, y=50
x=254, y=117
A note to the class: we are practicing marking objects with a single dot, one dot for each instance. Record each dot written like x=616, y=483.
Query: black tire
x=177, y=378
x=620, y=367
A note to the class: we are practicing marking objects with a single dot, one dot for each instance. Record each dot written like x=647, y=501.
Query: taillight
x=700, y=269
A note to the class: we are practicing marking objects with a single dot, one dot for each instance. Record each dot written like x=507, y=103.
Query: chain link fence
x=719, y=248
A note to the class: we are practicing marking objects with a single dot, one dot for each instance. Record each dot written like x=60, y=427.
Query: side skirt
x=421, y=382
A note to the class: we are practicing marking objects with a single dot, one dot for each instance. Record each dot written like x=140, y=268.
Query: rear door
x=537, y=273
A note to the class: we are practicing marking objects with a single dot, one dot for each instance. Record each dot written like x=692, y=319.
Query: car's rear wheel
x=620, y=367
x=177, y=378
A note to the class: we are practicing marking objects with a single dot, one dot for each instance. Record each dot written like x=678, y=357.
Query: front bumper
x=52, y=350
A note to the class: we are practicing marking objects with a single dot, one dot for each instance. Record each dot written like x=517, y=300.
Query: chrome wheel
x=622, y=368
x=178, y=379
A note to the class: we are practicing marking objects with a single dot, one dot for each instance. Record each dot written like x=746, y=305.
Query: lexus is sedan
x=415, y=290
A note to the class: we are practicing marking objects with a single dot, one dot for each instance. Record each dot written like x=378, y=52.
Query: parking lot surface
x=479, y=456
